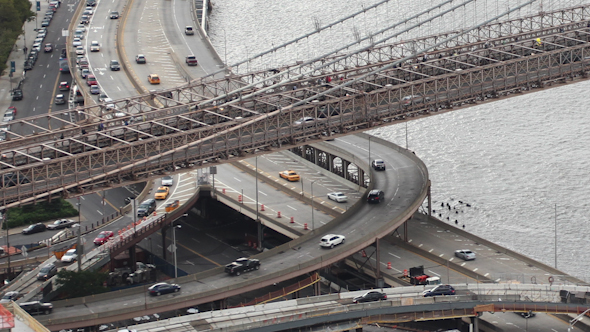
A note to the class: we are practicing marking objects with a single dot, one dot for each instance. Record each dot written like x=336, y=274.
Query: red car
x=91, y=80
x=12, y=109
x=103, y=237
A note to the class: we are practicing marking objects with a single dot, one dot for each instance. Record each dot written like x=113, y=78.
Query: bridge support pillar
x=316, y=156
x=330, y=161
x=316, y=288
x=132, y=258
x=345, y=173
x=378, y=279
x=475, y=322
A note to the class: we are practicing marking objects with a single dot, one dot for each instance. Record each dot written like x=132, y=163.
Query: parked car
x=60, y=99
x=80, y=50
x=163, y=288
x=189, y=31
x=338, y=197
x=46, y=272
x=375, y=196
x=162, y=193
x=370, y=297
x=103, y=237
x=140, y=58
x=37, y=307
x=79, y=33
x=465, y=254
x=85, y=19
x=91, y=80
x=61, y=224
x=17, y=94
x=10, y=296
x=167, y=180
x=81, y=27
x=242, y=265
x=35, y=228
x=290, y=175
x=76, y=42
x=70, y=256
x=332, y=240
x=439, y=290
x=84, y=72
x=114, y=15
x=146, y=208
x=378, y=164
x=9, y=114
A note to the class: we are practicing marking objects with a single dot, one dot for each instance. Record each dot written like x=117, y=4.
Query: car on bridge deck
x=61, y=223
x=162, y=193
x=140, y=58
x=413, y=99
x=70, y=256
x=189, y=31
x=154, y=79
x=167, y=180
x=35, y=228
x=64, y=86
x=290, y=175
x=163, y=288
x=10, y=114
x=465, y=254
x=103, y=237
x=370, y=297
x=46, y=272
x=439, y=290
x=36, y=307
x=375, y=196
x=91, y=80
x=378, y=165
x=114, y=15
x=332, y=240
x=338, y=197
x=60, y=99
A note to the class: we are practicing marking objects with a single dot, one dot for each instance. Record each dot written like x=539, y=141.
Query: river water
x=513, y=169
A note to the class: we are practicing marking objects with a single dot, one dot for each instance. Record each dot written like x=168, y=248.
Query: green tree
x=77, y=284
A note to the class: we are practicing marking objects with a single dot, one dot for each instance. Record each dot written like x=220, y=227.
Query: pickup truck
x=191, y=60
x=242, y=265
x=61, y=223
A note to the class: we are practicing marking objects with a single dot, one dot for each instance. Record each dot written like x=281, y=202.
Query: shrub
x=40, y=212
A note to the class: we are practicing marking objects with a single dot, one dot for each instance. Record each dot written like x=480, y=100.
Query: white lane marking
x=99, y=212
x=289, y=206
x=396, y=256
x=262, y=193
x=235, y=178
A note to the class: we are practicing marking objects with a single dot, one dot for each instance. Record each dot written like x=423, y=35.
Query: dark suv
x=375, y=196
x=37, y=307
x=47, y=272
x=17, y=94
x=146, y=208
x=439, y=290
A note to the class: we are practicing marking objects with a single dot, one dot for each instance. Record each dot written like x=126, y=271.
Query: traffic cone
x=305, y=227
x=292, y=220
x=363, y=253
x=155, y=213
x=278, y=214
x=262, y=207
x=223, y=190
x=389, y=265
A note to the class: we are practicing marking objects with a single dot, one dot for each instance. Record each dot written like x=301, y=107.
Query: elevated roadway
x=472, y=69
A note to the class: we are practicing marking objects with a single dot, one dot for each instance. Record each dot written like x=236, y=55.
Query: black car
x=35, y=228
x=114, y=15
x=375, y=196
x=17, y=94
x=10, y=296
x=47, y=272
x=37, y=307
x=370, y=297
x=146, y=208
x=163, y=288
x=378, y=164
x=90, y=3
x=439, y=290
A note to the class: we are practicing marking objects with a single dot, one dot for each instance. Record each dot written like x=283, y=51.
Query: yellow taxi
x=290, y=175
x=162, y=193
x=154, y=79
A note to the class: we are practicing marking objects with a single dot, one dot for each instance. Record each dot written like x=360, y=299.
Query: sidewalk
x=17, y=55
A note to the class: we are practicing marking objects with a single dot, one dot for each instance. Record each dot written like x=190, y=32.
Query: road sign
x=171, y=248
x=38, y=6
x=23, y=251
x=12, y=66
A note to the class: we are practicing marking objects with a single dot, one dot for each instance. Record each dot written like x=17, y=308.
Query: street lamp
x=174, y=244
x=134, y=218
x=312, y=219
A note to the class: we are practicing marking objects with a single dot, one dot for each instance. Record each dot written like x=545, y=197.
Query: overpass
x=213, y=121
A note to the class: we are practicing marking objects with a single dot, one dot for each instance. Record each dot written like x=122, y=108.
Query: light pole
x=369, y=150
x=79, y=204
x=134, y=218
x=555, y=241
x=174, y=244
x=312, y=219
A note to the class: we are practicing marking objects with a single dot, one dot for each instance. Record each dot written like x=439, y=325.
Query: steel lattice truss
x=148, y=141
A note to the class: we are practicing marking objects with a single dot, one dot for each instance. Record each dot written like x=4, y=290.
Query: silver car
x=338, y=197
x=167, y=181
x=465, y=254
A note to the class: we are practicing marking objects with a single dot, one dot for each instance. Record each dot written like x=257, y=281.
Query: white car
x=331, y=240
x=305, y=121
x=338, y=197
x=76, y=42
x=94, y=46
x=81, y=27
x=79, y=34
x=37, y=46
x=69, y=256
x=167, y=181
x=80, y=50
x=465, y=254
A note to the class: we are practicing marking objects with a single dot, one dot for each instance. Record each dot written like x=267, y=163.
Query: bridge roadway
x=336, y=312
x=474, y=68
x=362, y=225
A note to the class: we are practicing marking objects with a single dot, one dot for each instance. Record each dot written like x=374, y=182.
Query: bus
x=63, y=66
